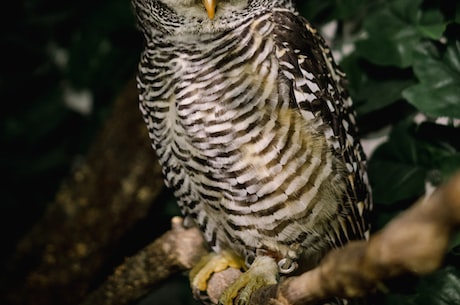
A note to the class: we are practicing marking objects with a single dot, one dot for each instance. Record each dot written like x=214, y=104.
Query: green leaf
x=345, y=9
x=314, y=8
x=399, y=168
x=394, y=181
x=395, y=30
x=379, y=94
x=395, y=169
x=432, y=31
x=374, y=88
x=397, y=299
x=449, y=165
x=432, y=24
x=438, y=93
x=440, y=288
x=391, y=34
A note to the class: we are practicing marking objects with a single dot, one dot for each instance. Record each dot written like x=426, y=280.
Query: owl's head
x=198, y=16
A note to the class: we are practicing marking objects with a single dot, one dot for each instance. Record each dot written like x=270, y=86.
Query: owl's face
x=206, y=8
x=178, y=17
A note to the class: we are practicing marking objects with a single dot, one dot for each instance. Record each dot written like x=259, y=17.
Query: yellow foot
x=263, y=272
x=210, y=264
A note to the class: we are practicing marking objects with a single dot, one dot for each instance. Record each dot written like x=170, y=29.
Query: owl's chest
x=216, y=94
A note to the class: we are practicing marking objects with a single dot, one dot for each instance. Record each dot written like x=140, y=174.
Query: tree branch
x=58, y=261
x=64, y=254
x=161, y=259
x=415, y=242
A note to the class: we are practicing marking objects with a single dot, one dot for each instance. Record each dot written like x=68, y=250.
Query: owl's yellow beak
x=210, y=6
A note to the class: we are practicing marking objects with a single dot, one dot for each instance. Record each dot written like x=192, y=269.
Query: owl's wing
x=317, y=89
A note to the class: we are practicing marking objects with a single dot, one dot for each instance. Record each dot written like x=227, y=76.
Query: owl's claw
x=263, y=272
x=210, y=264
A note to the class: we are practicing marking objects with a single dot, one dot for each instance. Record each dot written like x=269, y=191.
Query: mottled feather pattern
x=256, y=136
x=319, y=90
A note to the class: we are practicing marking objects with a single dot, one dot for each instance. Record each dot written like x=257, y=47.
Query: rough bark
x=58, y=261
x=158, y=261
x=415, y=242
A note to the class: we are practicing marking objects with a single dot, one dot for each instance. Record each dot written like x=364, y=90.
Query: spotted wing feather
x=318, y=91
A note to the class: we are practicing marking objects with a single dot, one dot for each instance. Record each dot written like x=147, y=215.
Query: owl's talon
x=263, y=272
x=210, y=264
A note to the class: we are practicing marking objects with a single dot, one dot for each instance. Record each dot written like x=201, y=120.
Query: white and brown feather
x=257, y=136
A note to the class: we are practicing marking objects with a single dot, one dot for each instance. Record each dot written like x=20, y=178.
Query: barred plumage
x=253, y=127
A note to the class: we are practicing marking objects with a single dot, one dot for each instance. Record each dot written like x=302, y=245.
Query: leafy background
x=63, y=63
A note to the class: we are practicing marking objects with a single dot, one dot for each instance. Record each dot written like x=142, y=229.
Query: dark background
x=52, y=48
x=42, y=138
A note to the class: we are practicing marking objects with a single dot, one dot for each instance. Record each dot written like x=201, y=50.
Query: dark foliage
x=404, y=75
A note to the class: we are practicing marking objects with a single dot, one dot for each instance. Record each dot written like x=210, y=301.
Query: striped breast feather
x=317, y=88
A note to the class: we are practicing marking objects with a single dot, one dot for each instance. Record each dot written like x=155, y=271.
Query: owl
x=255, y=131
